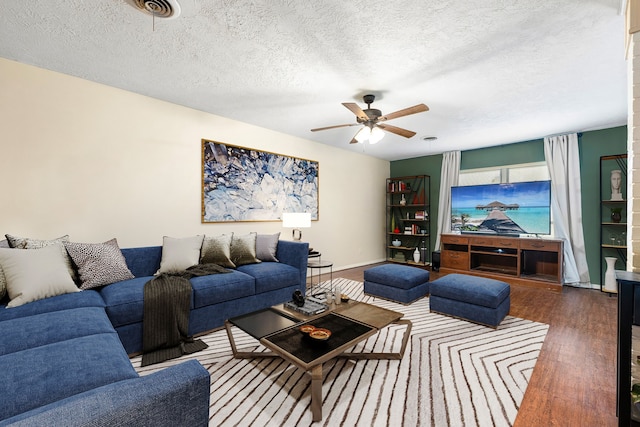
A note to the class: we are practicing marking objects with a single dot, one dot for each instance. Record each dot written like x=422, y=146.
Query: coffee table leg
x=244, y=354
x=385, y=356
x=316, y=392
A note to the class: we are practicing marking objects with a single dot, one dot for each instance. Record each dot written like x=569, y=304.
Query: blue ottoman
x=396, y=282
x=477, y=299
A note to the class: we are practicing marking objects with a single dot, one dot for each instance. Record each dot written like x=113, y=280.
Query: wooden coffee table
x=278, y=330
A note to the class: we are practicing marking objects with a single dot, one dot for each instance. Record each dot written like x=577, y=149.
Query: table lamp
x=296, y=220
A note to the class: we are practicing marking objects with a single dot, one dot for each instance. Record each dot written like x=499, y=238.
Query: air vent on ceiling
x=159, y=8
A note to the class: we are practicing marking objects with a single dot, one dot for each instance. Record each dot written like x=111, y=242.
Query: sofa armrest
x=175, y=396
x=295, y=254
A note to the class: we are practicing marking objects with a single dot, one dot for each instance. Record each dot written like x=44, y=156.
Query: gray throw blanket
x=165, y=323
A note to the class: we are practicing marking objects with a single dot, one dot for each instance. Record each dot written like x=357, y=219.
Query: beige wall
x=96, y=162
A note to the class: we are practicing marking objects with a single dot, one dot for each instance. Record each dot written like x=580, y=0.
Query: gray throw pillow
x=29, y=243
x=217, y=250
x=99, y=264
x=266, y=247
x=35, y=274
x=243, y=249
x=178, y=254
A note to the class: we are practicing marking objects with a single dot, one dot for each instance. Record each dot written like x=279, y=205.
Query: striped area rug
x=454, y=373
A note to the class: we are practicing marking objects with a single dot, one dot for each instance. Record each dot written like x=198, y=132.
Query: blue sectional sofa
x=64, y=359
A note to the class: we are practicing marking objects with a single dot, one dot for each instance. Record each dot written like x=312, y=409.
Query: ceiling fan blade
x=333, y=127
x=405, y=112
x=354, y=140
x=397, y=130
x=355, y=109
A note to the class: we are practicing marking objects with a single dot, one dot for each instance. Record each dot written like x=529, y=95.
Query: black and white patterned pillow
x=99, y=264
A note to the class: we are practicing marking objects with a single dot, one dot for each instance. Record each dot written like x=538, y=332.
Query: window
x=513, y=173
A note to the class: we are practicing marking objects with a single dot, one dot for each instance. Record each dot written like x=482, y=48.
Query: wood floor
x=574, y=381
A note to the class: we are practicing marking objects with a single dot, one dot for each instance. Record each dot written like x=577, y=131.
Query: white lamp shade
x=376, y=135
x=296, y=220
x=363, y=135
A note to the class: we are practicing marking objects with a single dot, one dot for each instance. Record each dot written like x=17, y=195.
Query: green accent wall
x=592, y=144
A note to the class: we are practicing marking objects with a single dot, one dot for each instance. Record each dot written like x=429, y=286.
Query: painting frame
x=243, y=184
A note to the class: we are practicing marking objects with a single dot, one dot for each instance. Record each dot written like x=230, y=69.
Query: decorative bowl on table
x=320, y=334
x=307, y=329
x=344, y=297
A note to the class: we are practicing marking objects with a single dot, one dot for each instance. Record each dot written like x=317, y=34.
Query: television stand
x=520, y=261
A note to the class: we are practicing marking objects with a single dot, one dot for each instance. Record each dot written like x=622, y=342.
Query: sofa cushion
x=46, y=328
x=217, y=288
x=57, y=303
x=35, y=274
x=125, y=300
x=272, y=275
x=29, y=243
x=98, y=264
x=217, y=250
x=267, y=246
x=144, y=261
x=45, y=374
x=243, y=249
x=24, y=242
x=180, y=253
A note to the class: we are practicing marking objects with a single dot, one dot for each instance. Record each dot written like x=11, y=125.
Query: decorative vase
x=416, y=255
x=403, y=201
x=610, y=283
x=616, y=215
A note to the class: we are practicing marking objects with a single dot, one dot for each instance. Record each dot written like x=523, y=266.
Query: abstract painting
x=245, y=184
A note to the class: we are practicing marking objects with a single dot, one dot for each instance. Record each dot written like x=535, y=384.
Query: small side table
x=319, y=265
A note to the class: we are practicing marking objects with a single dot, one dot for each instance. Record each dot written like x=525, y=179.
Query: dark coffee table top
x=299, y=345
x=263, y=322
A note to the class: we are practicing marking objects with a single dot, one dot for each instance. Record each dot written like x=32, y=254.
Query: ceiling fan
x=372, y=120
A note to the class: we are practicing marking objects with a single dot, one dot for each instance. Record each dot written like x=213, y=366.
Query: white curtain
x=562, y=156
x=448, y=178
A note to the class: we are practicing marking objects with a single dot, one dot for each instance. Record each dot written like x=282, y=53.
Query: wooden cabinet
x=526, y=261
x=408, y=220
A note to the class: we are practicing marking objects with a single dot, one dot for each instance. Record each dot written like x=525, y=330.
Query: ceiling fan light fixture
x=363, y=134
x=376, y=135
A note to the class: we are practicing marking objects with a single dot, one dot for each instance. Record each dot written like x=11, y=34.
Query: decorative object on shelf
x=396, y=243
x=616, y=215
x=298, y=298
x=396, y=230
x=616, y=184
x=403, y=201
x=239, y=193
x=610, y=283
x=416, y=255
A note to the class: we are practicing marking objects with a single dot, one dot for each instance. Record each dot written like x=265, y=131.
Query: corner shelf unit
x=613, y=242
x=408, y=219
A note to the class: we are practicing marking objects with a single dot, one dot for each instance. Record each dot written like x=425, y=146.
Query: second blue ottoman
x=396, y=282
x=478, y=299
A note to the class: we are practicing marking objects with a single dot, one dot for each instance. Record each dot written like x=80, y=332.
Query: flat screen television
x=505, y=209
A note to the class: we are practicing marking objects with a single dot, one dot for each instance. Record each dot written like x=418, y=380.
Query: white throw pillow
x=35, y=274
x=180, y=253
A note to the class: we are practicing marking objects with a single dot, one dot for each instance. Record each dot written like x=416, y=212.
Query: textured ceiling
x=492, y=71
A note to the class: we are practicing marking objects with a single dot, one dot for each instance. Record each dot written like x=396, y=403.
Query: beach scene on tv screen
x=515, y=208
